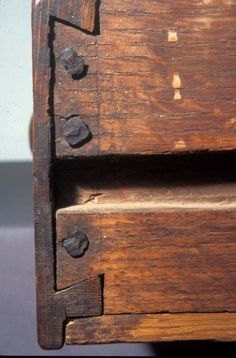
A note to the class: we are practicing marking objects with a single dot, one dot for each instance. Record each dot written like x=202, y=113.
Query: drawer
x=160, y=235
x=152, y=327
x=159, y=77
x=152, y=259
x=163, y=241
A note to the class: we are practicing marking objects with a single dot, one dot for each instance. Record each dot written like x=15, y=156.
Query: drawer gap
x=137, y=182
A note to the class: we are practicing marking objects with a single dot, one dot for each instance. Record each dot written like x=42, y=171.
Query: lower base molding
x=152, y=328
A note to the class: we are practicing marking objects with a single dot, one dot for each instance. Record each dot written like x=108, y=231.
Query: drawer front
x=152, y=328
x=159, y=77
x=153, y=260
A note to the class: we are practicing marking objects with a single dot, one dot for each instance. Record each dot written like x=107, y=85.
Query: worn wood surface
x=84, y=299
x=75, y=13
x=43, y=211
x=81, y=300
x=153, y=259
x=151, y=328
x=160, y=78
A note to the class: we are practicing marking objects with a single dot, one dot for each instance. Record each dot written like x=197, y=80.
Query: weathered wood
x=151, y=328
x=160, y=78
x=49, y=330
x=79, y=13
x=153, y=259
x=85, y=299
x=81, y=300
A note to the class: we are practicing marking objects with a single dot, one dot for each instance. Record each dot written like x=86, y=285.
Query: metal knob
x=77, y=244
x=73, y=63
x=76, y=132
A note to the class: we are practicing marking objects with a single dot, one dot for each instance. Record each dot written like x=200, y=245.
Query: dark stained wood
x=79, y=13
x=154, y=259
x=84, y=299
x=41, y=180
x=152, y=327
x=81, y=300
x=160, y=78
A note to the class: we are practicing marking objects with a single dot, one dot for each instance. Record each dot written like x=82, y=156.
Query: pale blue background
x=15, y=78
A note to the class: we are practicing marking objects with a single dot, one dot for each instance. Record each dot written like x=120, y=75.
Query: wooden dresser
x=134, y=170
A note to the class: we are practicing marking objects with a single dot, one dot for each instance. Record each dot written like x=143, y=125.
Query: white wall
x=15, y=79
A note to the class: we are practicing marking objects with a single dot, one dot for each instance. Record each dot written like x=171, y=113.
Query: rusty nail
x=73, y=63
x=77, y=244
x=76, y=132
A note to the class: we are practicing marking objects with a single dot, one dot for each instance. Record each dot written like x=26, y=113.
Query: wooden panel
x=83, y=299
x=160, y=78
x=152, y=328
x=78, y=13
x=49, y=331
x=154, y=259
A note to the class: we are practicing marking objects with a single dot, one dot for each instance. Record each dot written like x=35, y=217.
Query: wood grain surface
x=75, y=13
x=151, y=328
x=83, y=299
x=160, y=78
x=153, y=259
